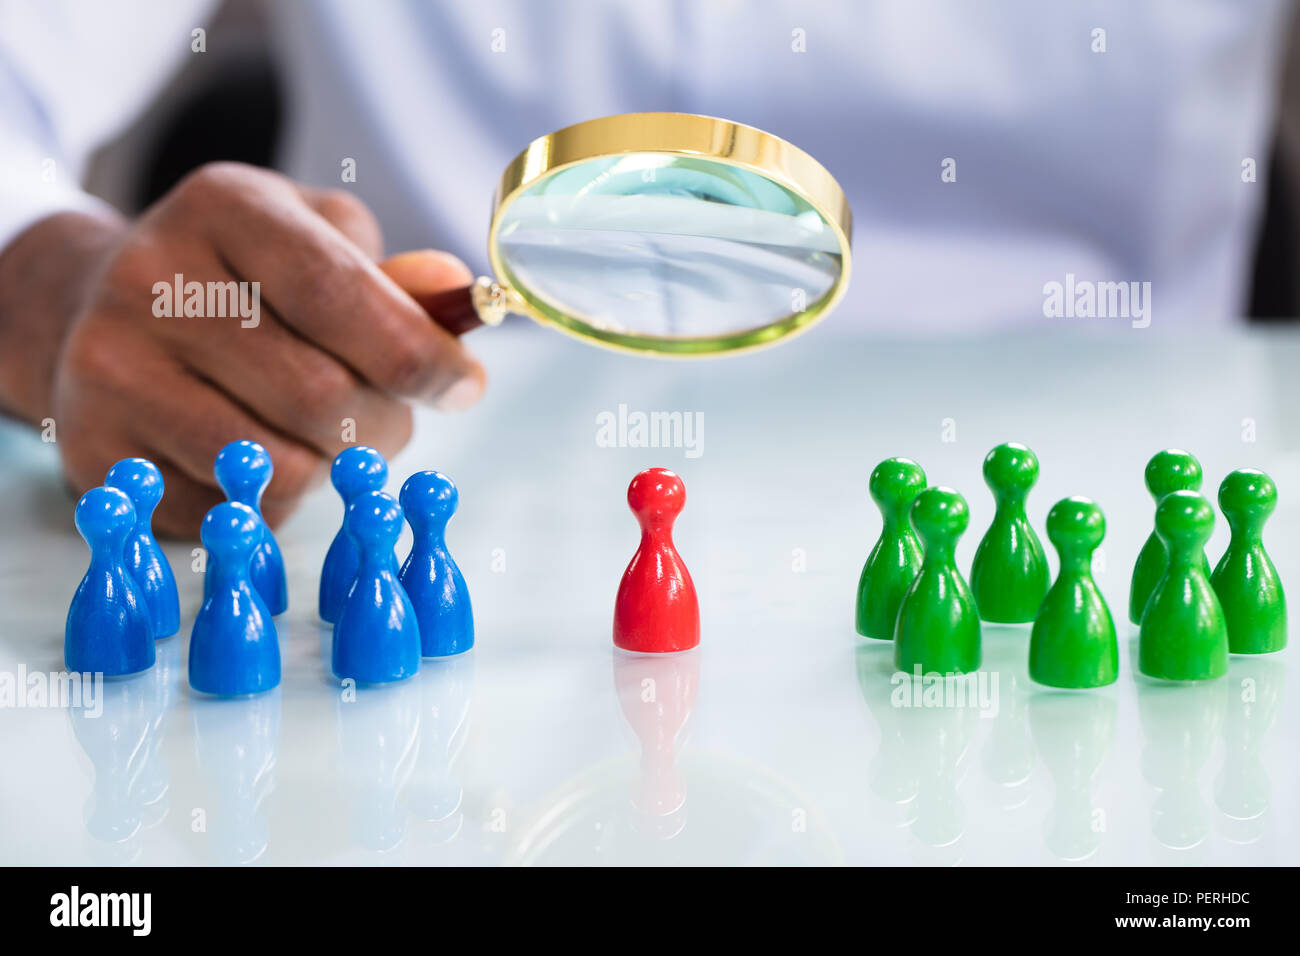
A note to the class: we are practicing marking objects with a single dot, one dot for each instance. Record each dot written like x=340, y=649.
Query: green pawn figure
x=938, y=627
x=1073, y=642
x=894, y=561
x=1170, y=470
x=1009, y=575
x=1245, y=580
x=1184, y=635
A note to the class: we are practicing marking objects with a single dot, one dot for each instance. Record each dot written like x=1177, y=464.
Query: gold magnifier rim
x=686, y=134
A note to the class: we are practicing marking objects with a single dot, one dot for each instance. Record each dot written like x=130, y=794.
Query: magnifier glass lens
x=667, y=246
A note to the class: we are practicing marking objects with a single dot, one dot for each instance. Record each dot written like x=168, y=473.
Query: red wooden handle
x=453, y=309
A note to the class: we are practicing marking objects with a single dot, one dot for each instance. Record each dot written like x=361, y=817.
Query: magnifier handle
x=453, y=309
x=482, y=302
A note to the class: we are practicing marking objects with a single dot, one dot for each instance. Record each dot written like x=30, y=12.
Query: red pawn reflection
x=656, y=610
x=657, y=695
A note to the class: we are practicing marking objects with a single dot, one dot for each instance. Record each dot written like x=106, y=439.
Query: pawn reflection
x=378, y=732
x=892, y=772
x=152, y=787
x=120, y=724
x=1180, y=725
x=924, y=741
x=435, y=794
x=1073, y=733
x=1252, y=699
x=659, y=802
x=939, y=738
x=237, y=743
x=1008, y=753
x=656, y=693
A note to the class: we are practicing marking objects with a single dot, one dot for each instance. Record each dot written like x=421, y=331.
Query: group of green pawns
x=1190, y=619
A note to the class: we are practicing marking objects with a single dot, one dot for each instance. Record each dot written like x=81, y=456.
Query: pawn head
x=1076, y=522
x=358, y=469
x=142, y=482
x=105, y=514
x=1010, y=467
x=1248, y=495
x=656, y=495
x=1184, y=520
x=243, y=470
x=895, y=483
x=429, y=497
x=1172, y=470
x=374, y=521
x=231, y=530
x=940, y=514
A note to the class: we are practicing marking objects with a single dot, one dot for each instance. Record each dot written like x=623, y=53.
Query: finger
x=276, y=511
x=325, y=288
x=293, y=386
x=426, y=271
x=91, y=451
x=196, y=420
x=349, y=215
x=184, y=502
x=87, y=450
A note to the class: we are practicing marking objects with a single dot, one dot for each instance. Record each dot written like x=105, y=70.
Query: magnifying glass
x=661, y=233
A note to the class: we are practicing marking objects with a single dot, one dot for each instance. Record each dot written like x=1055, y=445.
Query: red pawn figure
x=656, y=610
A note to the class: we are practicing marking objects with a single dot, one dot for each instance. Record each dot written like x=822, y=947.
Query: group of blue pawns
x=385, y=620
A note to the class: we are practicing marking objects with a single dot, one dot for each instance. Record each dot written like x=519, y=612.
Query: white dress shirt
x=1124, y=165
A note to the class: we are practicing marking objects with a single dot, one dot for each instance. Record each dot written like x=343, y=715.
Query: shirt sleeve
x=72, y=74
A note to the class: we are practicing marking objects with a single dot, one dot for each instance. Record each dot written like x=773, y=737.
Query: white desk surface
x=537, y=747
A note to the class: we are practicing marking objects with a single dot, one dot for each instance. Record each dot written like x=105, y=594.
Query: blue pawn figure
x=143, y=484
x=377, y=637
x=355, y=471
x=243, y=470
x=430, y=576
x=233, y=646
x=108, y=629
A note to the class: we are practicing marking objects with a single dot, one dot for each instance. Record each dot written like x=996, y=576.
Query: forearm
x=44, y=275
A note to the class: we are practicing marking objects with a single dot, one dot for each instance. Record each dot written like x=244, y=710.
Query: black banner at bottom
x=214, y=905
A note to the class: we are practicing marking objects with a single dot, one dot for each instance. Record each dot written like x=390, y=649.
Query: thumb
x=422, y=272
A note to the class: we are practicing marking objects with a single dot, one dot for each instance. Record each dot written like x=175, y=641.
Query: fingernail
x=460, y=396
